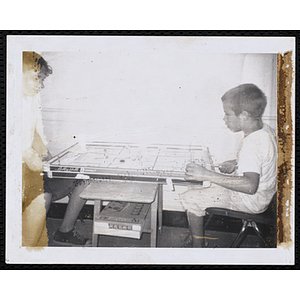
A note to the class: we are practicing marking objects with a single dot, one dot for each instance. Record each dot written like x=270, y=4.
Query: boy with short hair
x=253, y=184
x=39, y=192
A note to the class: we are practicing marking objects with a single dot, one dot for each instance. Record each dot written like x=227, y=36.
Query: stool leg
x=95, y=240
x=240, y=236
x=154, y=222
x=258, y=232
x=208, y=220
x=97, y=209
x=160, y=207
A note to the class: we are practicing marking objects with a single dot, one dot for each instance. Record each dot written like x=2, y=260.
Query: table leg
x=97, y=209
x=154, y=222
x=160, y=206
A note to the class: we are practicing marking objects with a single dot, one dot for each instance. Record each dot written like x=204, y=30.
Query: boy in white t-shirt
x=253, y=183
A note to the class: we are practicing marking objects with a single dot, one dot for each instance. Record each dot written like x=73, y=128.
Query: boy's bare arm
x=247, y=184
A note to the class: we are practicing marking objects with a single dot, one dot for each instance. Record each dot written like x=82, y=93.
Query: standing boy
x=253, y=183
x=39, y=192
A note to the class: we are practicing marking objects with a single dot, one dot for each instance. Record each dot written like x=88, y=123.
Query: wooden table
x=138, y=192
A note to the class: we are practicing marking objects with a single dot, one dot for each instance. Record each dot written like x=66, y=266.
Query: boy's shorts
x=59, y=188
x=196, y=199
x=33, y=185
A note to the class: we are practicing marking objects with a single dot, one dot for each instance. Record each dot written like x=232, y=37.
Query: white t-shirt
x=258, y=154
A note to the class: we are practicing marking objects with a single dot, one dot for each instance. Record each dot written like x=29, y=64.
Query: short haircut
x=246, y=97
x=34, y=61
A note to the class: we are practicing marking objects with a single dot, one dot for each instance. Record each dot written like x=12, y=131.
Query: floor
x=175, y=232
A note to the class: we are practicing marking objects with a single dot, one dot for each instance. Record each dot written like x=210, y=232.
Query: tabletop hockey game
x=121, y=161
x=161, y=164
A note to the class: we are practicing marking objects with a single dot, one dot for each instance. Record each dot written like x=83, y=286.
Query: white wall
x=149, y=93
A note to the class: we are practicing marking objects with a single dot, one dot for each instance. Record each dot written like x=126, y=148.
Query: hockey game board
x=126, y=161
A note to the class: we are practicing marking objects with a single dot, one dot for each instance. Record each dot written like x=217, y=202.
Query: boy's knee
x=81, y=185
x=38, y=204
x=195, y=214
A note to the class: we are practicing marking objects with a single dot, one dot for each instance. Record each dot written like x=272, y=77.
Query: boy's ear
x=244, y=115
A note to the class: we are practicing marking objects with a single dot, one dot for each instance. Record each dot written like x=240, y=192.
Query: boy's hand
x=228, y=167
x=46, y=157
x=196, y=172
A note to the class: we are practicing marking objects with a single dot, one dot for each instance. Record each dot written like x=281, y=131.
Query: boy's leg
x=197, y=230
x=73, y=209
x=34, y=229
x=48, y=201
x=33, y=221
x=195, y=201
x=43, y=240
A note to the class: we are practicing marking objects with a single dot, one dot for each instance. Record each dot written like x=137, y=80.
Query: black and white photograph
x=150, y=149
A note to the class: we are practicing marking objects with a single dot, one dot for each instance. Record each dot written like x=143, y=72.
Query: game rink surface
x=157, y=160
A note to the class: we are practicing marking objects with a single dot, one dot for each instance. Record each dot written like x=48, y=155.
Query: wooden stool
x=137, y=192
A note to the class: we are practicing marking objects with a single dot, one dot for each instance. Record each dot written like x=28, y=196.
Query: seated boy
x=251, y=188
